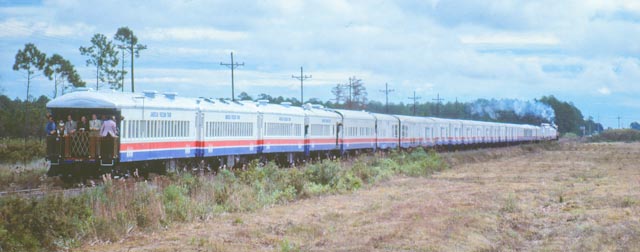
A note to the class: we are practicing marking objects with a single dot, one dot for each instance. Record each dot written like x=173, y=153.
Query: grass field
x=577, y=197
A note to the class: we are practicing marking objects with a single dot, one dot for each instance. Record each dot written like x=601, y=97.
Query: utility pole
x=438, y=100
x=233, y=65
x=619, y=122
x=386, y=92
x=302, y=77
x=414, y=98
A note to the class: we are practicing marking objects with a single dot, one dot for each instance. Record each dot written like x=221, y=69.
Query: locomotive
x=162, y=131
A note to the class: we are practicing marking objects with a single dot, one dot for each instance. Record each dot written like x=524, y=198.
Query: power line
x=386, y=92
x=233, y=65
x=414, y=98
x=302, y=77
x=438, y=100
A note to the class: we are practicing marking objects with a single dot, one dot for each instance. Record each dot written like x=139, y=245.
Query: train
x=158, y=132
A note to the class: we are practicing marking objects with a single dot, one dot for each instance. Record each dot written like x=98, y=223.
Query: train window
x=163, y=129
x=229, y=129
x=166, y=129
x=159, y=129
x=156, y=129
x=174, y=131
x=151, y=129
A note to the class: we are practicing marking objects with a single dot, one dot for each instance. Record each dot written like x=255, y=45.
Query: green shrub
x=421, y=163
x=311, y=189
x=51, y=223
x=176, y=203
x=570, y=135
x=347, y=182
x=322, y=173
x=364, y=172
x=145, y=206
x=15, y=150
x=617, y=135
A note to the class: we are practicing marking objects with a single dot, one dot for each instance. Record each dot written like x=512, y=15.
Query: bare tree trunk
x=133, y=89
x=26, y=104
x=55, y=84
x=97, y=71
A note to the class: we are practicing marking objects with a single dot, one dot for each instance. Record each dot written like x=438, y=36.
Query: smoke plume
x=493, y=107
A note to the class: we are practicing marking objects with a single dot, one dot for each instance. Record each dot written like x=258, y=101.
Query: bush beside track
x=16, y=150
x=113, y=210
x=617, y=135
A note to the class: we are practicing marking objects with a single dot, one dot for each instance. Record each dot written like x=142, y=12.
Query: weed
x=286, y=246
x=628, y=202
x=510, y=204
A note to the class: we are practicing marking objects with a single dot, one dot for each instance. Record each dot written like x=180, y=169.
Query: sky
x=581, y=51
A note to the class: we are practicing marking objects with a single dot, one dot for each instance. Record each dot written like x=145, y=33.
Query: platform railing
x=82, y=145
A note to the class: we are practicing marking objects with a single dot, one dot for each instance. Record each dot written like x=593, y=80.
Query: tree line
x=102, y=53
x=353, y=95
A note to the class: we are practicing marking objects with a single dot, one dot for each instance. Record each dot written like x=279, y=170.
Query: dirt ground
x=581, y=197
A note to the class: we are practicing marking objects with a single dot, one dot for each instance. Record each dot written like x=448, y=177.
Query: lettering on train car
x=154, y=114
x=232, y=117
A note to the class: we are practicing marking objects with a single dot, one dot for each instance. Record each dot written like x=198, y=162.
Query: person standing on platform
x=95, y=124
x=108, y=131
x=109, y=128
x=94, y=134
x=70, y=126
x=83, y=124
x=51, y=126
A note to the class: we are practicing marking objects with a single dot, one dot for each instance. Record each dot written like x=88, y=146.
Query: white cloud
x=510, y=39
x=604, y=91
x=14, y=28
x=193, y=33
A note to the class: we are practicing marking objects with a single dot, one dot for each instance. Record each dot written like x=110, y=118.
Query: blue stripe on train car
x=132, y=156
x=358, y=146
x=226, y=151
x=387, y=145
x=321, y=147
x=282, y=148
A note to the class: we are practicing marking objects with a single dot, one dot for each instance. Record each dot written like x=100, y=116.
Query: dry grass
x=578, y=197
